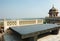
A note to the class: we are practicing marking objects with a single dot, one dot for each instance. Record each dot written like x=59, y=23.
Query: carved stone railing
x=9, y=23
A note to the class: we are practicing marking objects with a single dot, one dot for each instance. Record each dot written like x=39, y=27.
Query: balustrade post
x=5, y=24
x=18, y=23
x=36, y=21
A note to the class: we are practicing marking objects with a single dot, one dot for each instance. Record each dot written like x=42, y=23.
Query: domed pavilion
x=53, y=16
x=53, y=12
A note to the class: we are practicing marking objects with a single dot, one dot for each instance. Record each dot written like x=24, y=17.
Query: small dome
x=53, y=9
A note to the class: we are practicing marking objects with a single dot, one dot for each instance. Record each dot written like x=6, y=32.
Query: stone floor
x=1, y=36
x=50, y=37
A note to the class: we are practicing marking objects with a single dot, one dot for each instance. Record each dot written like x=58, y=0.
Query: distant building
x=53, y=16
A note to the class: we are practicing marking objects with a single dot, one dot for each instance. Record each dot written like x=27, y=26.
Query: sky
x=27, y=8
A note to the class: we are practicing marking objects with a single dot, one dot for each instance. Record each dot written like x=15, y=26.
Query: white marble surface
x=50, y=38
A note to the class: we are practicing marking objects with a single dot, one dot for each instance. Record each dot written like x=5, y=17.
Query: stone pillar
x=18, y=23
x=5, y=25
x=36, y=21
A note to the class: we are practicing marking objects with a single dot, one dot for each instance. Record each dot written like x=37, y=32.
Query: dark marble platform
x=31, y=31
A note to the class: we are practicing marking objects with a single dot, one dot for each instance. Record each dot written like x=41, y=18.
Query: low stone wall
x=9, y=23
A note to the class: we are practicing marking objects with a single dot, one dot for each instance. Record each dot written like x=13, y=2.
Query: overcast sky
x=26, y=8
